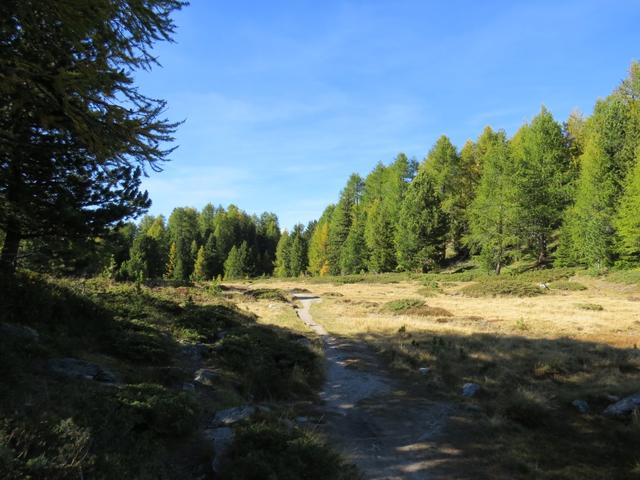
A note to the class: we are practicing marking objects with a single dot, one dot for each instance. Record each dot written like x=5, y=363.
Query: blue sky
x=283, y=100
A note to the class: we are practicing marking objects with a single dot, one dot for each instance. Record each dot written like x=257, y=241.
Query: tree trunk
x=9, y=256
x=498, y=268
x=542, y=256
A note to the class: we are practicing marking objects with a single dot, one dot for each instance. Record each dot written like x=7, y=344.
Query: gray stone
x=233, y=415
x=19, y=332
x=624, y=406
x=470, y=389
x=424, y=371
x=194, y=351
x=581, y=405
x=611, y=398
x=221, y=439
x=76, y=368
x=206, y=376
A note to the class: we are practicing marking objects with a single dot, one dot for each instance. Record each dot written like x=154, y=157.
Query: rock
x=611, y=398
x=194, y=351
x=206, y=376
x=470, y=389
x=301, y=419
x=424, y=371
x=19, y=332
x=221, y=439
x=624, y=406
x=233, y=415
x=581, y=405
x=76, y=368
x=188, y=387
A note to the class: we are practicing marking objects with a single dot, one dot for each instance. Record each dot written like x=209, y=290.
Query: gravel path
x=374, y=417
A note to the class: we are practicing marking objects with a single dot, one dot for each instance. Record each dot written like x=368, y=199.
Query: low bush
x=567, y=285
x=590, y=306
x=625, y=276
x=270, y=450
x=499, y=286
x=402, y=305
x=268, y=294
x=270, y=365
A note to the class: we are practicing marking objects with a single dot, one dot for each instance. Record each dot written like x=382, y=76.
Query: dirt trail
x=378, y=421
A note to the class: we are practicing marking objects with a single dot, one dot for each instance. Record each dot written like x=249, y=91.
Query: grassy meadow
x=534, y=342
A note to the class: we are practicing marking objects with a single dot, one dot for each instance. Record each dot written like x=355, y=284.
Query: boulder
x=581, y=406
x=194, y=351
x=424, y=371
x=188, y=387
x=19, y=332
x=624, y=406
x=470, y=389
x=206, y=376
x=233, y=415
x=221, y=439
x=76, y=368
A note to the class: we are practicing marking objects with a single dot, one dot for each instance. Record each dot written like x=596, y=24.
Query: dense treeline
x=558, y=193
x=203, y=245
x=190, y=245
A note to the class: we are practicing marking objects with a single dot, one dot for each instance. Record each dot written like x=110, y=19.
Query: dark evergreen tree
x=341, y=221
x=422, y=227
x=297, y=258
x=76, y=132
x=542, y=182
x=353, y=257
x=237, y=265
x=493, y=213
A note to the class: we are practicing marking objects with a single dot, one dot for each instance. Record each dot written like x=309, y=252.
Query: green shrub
x=268, y=294
x=268, y=450
x=402, y=305
x=51, y=449
x=567, y=285
x=137, y=341
x=590, y=306
x=270, y=365
x=625, y=276
x=543, y=275
x=499, y=286
x=164, y=411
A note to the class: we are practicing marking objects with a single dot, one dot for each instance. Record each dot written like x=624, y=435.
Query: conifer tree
x=422, y=226
x=200, y=267
x=443, y=166
x=283, y=260
x=212, y=261
x=297, y=252
x=237, y=265
x=627, y=219
x=379, y=233
x=493, y=214
x=77, y=131
x=542, y=180
x=353, y=256
x=319, y=244
x=171, y=261
x=341, y=221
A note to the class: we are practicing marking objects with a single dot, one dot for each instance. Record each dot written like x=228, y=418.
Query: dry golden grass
x=533, y=356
